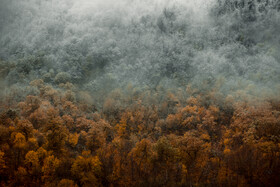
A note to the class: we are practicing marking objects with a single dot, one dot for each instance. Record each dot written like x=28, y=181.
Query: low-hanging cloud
x=103, y=45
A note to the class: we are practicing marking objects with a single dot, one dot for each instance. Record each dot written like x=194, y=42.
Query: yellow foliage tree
x=67, y=183
x=2, y=163
x=50, y=165
x=32, y=162
x=87, y=170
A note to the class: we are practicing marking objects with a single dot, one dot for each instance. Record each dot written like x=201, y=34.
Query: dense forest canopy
x=139, y=92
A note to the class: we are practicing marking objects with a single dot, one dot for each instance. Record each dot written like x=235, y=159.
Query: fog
x=157, y=45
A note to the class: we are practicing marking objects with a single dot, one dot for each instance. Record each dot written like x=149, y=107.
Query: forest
x=139, y=93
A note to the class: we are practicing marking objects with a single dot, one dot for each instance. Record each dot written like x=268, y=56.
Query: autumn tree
x=87, y=170
x=33, y=165
x=56, y=136
x=141, y=165
x=51, y=163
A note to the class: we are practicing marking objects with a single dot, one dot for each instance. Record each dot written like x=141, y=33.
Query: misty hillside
x=100, y=45
x=139, y=92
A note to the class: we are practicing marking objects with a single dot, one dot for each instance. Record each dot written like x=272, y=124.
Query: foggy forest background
x=139, y=93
